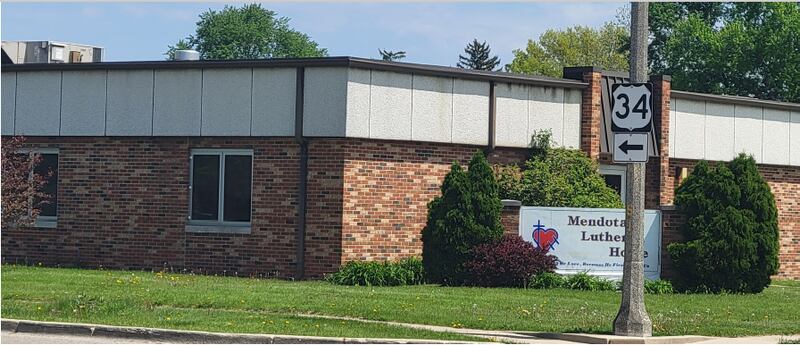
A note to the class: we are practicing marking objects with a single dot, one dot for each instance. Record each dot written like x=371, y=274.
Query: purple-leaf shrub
x=508, y=263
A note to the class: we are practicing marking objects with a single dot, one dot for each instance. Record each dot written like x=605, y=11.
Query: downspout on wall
x=303, y=175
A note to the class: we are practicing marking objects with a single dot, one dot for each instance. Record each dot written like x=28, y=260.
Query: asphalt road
x=44, y=338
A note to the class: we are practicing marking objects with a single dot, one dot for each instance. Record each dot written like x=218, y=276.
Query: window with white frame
x=220, y=187
x=615, y=178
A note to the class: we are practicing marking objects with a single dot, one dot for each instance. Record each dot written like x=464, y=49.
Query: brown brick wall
x=785, y=184
x=388, y=185
x=591, y=112
x=122, y=203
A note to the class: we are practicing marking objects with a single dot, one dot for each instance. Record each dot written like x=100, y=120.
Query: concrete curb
x=169, y=335
x=616, y=339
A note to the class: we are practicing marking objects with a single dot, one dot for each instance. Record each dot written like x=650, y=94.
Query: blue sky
x=433, y=33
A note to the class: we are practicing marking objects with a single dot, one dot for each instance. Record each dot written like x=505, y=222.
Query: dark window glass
x=237, y=188
x=205, y=187
x=614, y=181
x=48, y=168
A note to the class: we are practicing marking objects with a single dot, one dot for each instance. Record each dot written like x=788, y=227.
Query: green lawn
x=268, y=306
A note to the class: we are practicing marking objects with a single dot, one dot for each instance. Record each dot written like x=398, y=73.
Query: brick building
x=291, y=167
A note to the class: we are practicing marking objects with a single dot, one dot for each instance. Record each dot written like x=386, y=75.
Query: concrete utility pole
x=632, y=318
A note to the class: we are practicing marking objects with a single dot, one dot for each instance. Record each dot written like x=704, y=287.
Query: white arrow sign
x=630, y=148
x=632, y=108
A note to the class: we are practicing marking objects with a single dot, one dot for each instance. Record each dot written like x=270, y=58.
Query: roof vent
x=187, y=55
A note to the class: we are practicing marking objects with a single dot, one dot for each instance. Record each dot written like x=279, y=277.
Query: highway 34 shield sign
x=631, y=120
x=632, y=107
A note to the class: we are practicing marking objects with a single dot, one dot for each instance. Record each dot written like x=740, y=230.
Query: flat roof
x=755, y=102
x=336, y=61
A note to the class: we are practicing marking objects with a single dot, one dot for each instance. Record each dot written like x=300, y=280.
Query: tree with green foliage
x=478, y=57
x=556, y=177
x=465, y=215
x=744, y=49
x=576, y=46
x=388, y=55
x=247, y=32
x=731, y=229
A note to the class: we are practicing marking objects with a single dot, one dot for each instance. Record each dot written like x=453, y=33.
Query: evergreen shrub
x=466, y=214
x=731, y=229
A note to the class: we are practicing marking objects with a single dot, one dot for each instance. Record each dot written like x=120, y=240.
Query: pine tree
x=731, y=229
x=388, y=55
x=449, y=218
x=478, y=57
x=467, y=214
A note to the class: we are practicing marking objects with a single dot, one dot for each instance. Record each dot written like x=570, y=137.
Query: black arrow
x=625, y=147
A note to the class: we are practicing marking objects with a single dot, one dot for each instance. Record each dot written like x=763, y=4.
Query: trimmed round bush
x=508, y=263
x=731, y=229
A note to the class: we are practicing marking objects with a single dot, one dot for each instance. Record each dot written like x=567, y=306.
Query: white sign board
x=632, y=107
x=593, y=240
x=630, y=147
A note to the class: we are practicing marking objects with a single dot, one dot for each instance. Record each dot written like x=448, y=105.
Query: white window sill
x=218, y=229
x=46, y=223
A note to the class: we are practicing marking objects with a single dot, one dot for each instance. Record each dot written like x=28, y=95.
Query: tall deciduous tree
x=22, y=188
x=576, y=46
x=478, y=56
x=247, y=32
x=388, y=55
x=745, y=49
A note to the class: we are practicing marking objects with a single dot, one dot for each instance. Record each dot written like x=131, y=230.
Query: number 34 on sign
x=631, y=120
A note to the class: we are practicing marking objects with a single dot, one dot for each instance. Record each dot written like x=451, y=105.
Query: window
x=48, y=168
x=615, y=178
x=220, y=190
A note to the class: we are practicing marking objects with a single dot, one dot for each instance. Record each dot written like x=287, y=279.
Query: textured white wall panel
x=129, y=108
x=358, y=99
x=749, y=131
x=325, y=102
x=794, y=138
x=719, y=131
x=470, y=112
x=390, y=106
x=432, y=112
x=227, y=95
x=83, y=103
x=512, y=115
x=572, y=118
x=177, y=103
x=546, y=111
x=8, y=101
x=672, y=120
x=690, y=129
x=274, y=91
x=776, y=143
x=38, y=107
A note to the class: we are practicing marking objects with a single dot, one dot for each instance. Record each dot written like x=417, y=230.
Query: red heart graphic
x=545, y=239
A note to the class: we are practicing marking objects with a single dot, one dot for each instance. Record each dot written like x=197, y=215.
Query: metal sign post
x=632, y=318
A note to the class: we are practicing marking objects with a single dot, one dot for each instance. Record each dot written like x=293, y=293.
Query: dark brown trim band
x=492, y=117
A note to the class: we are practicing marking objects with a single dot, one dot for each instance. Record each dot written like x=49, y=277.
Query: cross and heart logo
x=545, y=238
